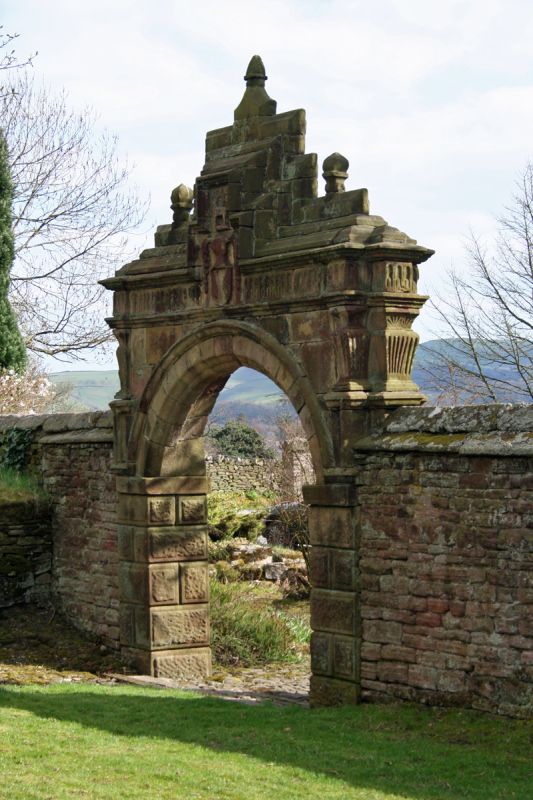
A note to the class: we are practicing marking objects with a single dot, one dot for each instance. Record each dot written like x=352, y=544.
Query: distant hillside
x=94, y=389
x=91, y=390
x=247, y=392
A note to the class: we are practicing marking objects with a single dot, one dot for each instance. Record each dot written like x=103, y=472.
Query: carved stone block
x=191, y=664
x=331, y=526
x=192, y=509
x=194, y=583
x=333, y=611
x=345, y=651
x=176, y=544
x=164, y=583
x=322, y=653
x=343, y=569
x=175, y=627
x=332, y=692
x=319, y=567
x=127, y=624
x=161, y=510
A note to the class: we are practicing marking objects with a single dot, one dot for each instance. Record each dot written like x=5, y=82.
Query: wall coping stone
x=78, y=437
x=498, y=444
x=60, y=423
x=459, y=419
x=501, y=430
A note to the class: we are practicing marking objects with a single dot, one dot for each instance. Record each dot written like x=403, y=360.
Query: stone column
x=335, y=606
x=164, y=588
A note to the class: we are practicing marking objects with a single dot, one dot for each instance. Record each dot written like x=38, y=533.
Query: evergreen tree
x=237, y=439
x=12, y=350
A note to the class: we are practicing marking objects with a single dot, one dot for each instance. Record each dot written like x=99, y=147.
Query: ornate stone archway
x=315, y=292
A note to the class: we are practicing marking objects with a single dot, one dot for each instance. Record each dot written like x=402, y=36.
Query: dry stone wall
x=283, y=477
x=71, y=455
x=446, y=503
x=25, y=552
x=244, y=474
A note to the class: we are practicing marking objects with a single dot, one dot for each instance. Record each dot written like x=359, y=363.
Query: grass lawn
x=92, y=741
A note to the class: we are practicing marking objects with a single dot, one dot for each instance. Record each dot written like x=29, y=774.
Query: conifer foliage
x=12, y=350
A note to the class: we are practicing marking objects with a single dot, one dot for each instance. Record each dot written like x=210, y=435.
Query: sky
x=431, y=102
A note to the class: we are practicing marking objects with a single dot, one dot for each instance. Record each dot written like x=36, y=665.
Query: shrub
x=225, y=572
x=246, y=636
x=231, y=514
x=12, y=348
x=295, y=585
x=218, y=550
x=239, y=440
x=16, y=449
x=287, y=526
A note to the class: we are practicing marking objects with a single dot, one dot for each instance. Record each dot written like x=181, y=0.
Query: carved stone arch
x=314, y=291
x=174, y=396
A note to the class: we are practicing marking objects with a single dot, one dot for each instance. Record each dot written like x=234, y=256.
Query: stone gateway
x=315, y=292
x=420, y=521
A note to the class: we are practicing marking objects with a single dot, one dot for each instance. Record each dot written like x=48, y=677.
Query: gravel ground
x=280, y=683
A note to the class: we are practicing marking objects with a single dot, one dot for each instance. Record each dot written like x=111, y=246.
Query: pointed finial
x=335, y=172
x=255, y=101
x=255, y=73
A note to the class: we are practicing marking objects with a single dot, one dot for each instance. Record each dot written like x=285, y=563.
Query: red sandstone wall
x=85, y=559
x=446, y=548
x=446, y=565
x=71, y=453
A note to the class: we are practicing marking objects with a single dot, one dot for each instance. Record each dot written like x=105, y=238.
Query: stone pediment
x=257, y=198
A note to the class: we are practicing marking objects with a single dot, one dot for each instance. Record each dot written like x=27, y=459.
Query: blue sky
x=431, y=102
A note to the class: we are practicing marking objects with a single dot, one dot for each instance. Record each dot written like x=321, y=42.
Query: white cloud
x=431, y=102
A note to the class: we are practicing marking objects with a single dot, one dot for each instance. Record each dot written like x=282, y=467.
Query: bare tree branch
x=72, y=215
x=489, y=314
x=9, y=60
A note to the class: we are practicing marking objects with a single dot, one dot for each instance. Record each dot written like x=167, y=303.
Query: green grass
x=246, y=631
x=96, y=742
x=18, y=486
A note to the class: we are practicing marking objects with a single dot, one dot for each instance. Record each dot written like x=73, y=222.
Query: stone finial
x=335, y=172
x=255, y=73
x=255, y=101
x=181, y=204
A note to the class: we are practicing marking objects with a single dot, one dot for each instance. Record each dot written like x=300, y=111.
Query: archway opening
x=257, y=460
x=165, y=598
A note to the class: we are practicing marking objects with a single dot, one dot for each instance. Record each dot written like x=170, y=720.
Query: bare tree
x=8, y=58
x=72, y=214
x=488, y=314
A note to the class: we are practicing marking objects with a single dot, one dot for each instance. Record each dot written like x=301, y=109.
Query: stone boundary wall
x=244, y=474
x=284, y=477
x=446, y=509
x=71, y=455
x=25, y=552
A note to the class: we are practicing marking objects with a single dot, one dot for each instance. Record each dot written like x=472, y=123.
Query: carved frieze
x=402, y=321
x=352, y=354
x=401, y=277
x=400, y=353
x=282, y=284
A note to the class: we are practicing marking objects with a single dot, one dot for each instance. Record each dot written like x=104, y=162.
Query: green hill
x=247, y=392
x=91, y=390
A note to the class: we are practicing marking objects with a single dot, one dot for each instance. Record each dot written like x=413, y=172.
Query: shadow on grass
x=409, y=751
